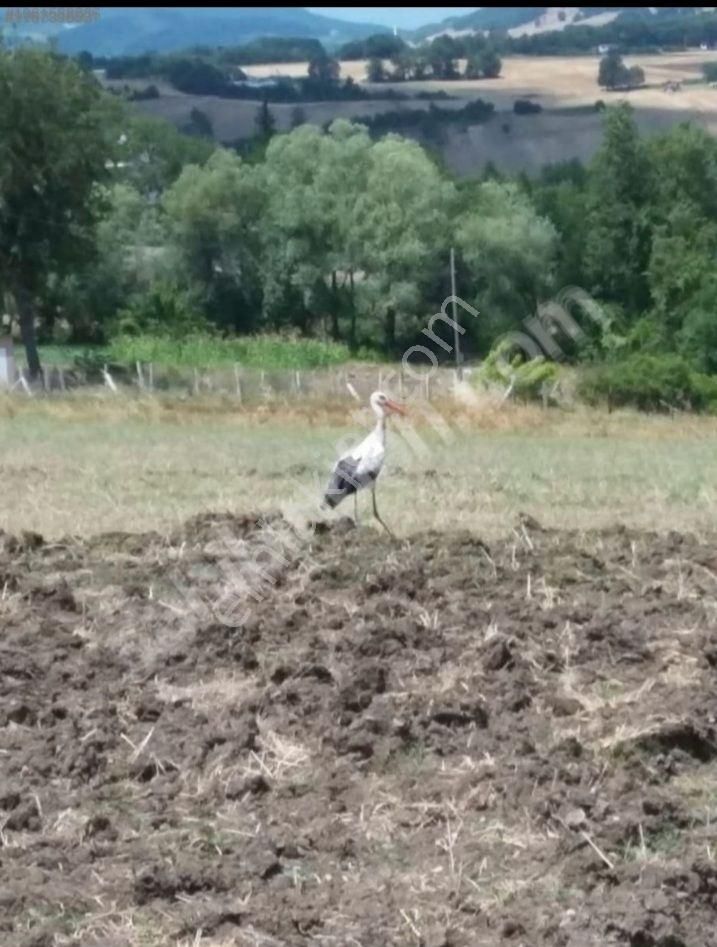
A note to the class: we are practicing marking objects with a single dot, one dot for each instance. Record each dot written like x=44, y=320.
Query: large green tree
x=401, y=223
x=619, y=196
x=614, y=74
x=442, y=55
x=680, y=272
x=215, y=217
x=296, y=230
x=131, y=256
x=341, y=179
x=510, y=253
x=53, y=155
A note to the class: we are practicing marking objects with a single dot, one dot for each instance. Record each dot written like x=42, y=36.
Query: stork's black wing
x=343, y=483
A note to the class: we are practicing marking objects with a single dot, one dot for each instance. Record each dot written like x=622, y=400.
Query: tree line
x=112, y=224
x=216, y=72
x=439, y=60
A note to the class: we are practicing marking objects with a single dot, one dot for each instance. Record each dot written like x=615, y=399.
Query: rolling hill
x=131, y=30
x=485, y=18
x=520, y=21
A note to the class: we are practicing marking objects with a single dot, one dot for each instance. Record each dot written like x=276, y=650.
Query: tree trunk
x=26, y=312
x=335, y=333
x=352, y=327
x=390, y=330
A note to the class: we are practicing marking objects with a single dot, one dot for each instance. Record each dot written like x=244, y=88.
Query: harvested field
x=95, y=464
x=558, y=83
x=444, y=742
x=555, y=81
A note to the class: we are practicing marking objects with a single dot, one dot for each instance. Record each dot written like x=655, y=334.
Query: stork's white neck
x=380, y=429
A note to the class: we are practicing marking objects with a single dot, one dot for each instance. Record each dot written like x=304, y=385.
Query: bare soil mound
x=435, y=743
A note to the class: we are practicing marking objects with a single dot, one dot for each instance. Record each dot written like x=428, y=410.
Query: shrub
x=196, y=77
x=709, y=70
x=149, y=92
x=375, y=71
x=531, y=380
x=526, y=107
x=164, y=311
x=649, y=382
x=439, y=94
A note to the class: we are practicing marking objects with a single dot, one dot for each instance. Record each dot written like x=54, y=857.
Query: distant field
x=555, y=81
x=513, y=143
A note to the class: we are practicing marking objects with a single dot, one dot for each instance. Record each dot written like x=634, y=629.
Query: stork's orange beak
x=395, y=407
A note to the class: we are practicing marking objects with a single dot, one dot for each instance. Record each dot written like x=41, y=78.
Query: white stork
x=360, y=466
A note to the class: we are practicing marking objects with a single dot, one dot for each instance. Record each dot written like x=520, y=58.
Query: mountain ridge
x=122, y=31
x=131, y=30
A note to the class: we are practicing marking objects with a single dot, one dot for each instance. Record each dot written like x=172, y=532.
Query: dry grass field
x=498, y=730
x=79, y=465
x=554, y=81
x=511, y=142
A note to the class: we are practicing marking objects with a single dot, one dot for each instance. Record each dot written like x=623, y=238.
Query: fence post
x=62, y=378
x=196, y=382
x=237, y=380
x=151, y=376
x=140, y=376
x=23, y=382
x=109, y=381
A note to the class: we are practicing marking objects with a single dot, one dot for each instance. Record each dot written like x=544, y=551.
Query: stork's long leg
x=356, y=519
x=376, y=513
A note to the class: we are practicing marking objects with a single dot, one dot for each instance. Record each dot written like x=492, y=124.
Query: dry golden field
x=555, y=81
x=512, y=143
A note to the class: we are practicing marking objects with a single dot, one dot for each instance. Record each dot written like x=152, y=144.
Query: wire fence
x=245, y=384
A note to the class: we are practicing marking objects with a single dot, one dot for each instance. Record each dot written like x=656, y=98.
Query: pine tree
x=265, y=121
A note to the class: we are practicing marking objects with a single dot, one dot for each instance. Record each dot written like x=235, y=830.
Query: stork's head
x=383, y=406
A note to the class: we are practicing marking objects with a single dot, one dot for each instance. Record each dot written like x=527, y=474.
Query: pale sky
x=408, y=18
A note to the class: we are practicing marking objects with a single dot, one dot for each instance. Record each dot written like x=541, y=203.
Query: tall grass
x=206, y=351
x=257, y=351
x=64, y=355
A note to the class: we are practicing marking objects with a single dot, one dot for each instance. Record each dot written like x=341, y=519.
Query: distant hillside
x=131, y=30
x=524, y=21
x=487, y=18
